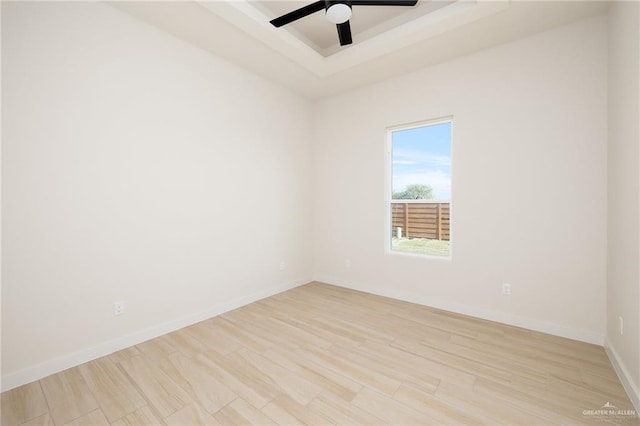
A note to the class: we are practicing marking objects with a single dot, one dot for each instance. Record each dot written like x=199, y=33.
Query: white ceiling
x=388, y=41
x=366, y=22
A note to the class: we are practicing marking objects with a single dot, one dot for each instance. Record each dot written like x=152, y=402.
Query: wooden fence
x=421, y=219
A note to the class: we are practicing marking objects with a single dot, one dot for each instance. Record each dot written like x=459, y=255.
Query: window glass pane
x=421, y=189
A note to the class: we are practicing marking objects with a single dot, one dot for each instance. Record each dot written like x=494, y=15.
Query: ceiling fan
x=337, y=12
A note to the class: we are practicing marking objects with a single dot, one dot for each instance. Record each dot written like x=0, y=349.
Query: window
x=419, y=189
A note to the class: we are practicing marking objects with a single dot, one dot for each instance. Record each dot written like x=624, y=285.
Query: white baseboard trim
x=37, y=372
x=623, y=374
x=501, y=317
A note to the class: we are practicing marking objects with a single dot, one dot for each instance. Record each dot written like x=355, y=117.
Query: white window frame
x=388, y=188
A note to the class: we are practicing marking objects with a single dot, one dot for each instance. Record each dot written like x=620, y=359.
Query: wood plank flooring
x=320, y=354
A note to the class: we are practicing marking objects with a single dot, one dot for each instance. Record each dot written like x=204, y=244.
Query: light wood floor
x=320, y=354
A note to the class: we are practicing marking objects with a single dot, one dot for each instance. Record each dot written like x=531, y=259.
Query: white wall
x=138, y=168
x=623, y=273
x=529, y=183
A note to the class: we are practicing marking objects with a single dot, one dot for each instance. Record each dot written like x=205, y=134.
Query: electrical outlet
x=283, y=265
x=506, y=289
x=621, y=325
x=118, y=307
x=347, y=263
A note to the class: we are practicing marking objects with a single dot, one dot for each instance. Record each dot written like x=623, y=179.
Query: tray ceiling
x=388, y=41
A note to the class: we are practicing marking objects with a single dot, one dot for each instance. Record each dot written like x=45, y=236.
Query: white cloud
x=406, y=156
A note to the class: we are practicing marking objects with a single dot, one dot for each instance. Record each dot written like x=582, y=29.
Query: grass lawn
x=421, y=246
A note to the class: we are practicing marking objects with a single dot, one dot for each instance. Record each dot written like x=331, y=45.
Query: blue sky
x=423, y=155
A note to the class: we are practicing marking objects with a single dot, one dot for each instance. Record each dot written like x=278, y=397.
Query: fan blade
x=298, y=13
x=344, y=33
x=383, y=2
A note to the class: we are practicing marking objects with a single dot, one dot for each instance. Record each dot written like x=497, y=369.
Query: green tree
x=415, y=191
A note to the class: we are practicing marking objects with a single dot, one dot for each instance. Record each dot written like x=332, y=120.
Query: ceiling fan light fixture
x=338, y=13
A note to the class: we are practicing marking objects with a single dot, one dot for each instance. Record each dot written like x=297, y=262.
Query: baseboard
x=53, y=366
x=623, y=374
x=501, y=317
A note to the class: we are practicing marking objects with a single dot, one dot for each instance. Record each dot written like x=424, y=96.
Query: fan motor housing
x=329, y=3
